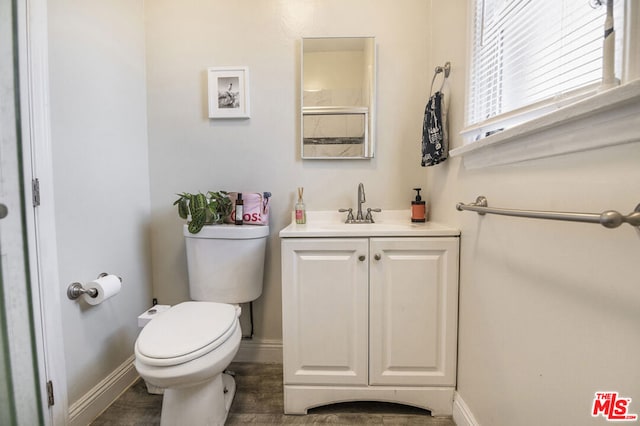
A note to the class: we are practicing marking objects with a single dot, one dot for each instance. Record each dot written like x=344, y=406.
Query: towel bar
x=608, y=219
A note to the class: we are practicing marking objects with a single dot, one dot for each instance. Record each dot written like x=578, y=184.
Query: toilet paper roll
x=107, y=286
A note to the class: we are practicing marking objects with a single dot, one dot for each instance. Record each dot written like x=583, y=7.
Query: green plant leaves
x=220, y=203
x=197, y=221
x=204, y=209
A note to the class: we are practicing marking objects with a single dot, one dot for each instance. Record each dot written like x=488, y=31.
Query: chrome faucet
x=361, y=200
x=360, y=217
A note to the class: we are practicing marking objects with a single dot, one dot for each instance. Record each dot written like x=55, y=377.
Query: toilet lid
x=186, y=331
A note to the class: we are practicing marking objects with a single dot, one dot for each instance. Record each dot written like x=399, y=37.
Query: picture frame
x=228, y=89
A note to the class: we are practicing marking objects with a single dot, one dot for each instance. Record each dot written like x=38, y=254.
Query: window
x=531, y=57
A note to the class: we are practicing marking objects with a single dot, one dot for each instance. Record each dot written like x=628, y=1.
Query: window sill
x=608, y=118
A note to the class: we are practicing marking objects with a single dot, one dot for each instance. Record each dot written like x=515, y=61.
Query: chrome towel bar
x=608, y=219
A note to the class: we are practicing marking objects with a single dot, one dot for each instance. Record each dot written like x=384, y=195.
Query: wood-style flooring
x=259, y=401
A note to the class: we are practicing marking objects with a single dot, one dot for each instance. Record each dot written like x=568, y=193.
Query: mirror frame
x=368, y=111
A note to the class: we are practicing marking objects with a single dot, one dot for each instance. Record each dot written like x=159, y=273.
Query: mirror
x=338, y=97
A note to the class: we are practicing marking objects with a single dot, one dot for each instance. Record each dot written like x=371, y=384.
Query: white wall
x=101, y=180
x=189, y=152
x=548, y=310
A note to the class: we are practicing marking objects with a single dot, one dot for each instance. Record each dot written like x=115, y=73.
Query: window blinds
x=526, y=52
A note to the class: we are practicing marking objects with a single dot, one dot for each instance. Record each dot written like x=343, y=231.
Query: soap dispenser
x=418, y=208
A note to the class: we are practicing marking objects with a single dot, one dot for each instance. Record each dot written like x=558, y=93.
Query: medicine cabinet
x=338, y=97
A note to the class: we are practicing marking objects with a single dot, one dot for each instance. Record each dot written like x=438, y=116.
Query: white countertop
x=389, y=223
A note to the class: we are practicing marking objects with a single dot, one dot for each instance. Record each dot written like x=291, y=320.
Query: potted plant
x=200, y=209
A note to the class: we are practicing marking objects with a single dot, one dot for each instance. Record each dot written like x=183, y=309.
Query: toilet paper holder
x=76, y=289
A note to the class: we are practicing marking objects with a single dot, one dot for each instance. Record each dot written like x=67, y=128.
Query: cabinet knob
x=377, y=256
x=362, y=257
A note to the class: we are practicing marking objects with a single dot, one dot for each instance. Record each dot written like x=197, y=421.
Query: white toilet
x=186, y=349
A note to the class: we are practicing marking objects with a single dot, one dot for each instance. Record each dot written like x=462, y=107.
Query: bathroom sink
x=387, y=223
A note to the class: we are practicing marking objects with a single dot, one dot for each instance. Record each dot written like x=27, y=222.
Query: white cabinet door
x=325, y=312
x=413, y=311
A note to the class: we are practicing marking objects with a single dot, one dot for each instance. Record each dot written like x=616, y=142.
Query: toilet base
x=203, y=404
x=154, y=390
x=229, y=384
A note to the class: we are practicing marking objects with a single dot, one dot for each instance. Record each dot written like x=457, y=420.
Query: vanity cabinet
x=370, y=319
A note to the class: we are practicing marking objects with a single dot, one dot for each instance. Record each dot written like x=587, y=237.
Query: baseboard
x=99, y=398
x=263, y=351
x=462, y=415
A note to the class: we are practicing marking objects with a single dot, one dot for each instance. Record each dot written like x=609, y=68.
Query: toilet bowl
x=185, y=351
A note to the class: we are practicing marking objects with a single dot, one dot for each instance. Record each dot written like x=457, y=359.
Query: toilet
x=186, y=349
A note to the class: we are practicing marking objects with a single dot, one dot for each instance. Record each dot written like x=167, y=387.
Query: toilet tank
x=226, y=262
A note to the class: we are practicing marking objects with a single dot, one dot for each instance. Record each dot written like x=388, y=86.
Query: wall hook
x=446, y=69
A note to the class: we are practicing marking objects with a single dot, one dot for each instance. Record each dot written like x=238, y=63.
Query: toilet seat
x=185, y=332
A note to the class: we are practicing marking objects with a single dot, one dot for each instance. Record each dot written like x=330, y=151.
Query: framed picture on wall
x=228, y=92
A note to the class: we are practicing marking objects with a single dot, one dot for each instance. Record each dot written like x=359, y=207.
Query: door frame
x=41, y=230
